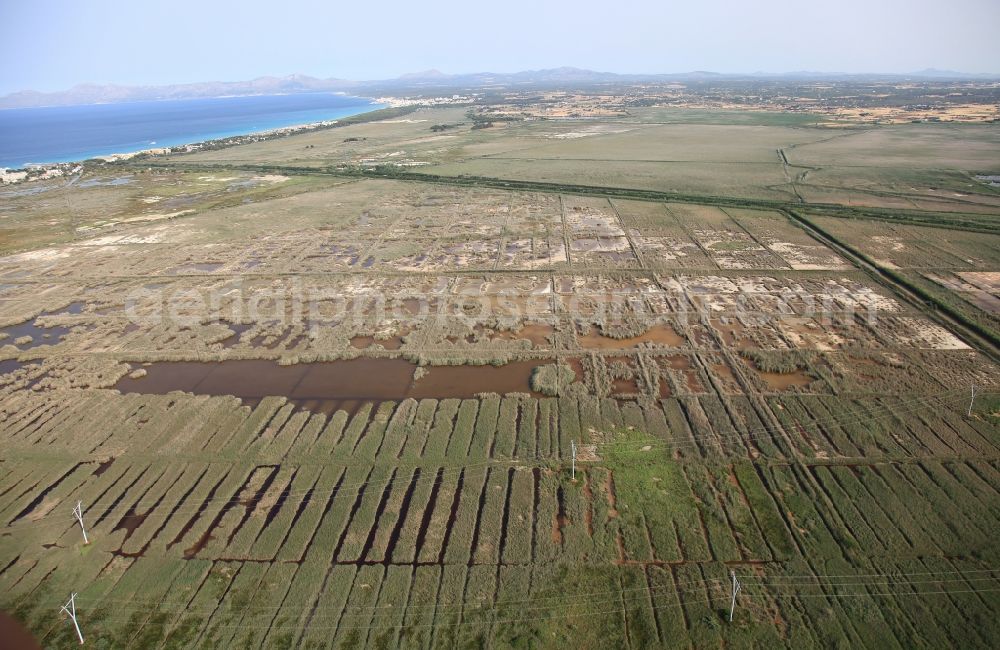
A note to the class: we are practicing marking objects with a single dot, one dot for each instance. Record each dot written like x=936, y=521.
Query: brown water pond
x=659, y=334
x=15, y=635
x=333, y=381
x=785, y=380
x=624, y=387
x=537, y=333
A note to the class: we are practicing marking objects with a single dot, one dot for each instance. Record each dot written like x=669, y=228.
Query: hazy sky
x=55, y=44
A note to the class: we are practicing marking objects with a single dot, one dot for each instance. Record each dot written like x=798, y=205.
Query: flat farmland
x=344, y=413
x=754, y=180
x=632, y=140
x=711, y=153
x=917, y=146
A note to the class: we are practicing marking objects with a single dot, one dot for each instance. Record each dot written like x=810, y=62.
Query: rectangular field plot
x=729, y=244
x=916, y=247
x=775, y=231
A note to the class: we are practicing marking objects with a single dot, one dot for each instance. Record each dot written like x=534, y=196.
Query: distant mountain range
x=110, y=94
x=423, y=82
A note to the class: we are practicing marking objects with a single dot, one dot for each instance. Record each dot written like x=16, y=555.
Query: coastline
x=41, y=170
x=384, y=112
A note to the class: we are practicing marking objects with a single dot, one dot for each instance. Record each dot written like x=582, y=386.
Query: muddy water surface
x=784, y=381
x=14, y=635
x=354, y=379
x=658, y=334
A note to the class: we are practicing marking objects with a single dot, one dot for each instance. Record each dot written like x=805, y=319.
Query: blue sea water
x=67, y=133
